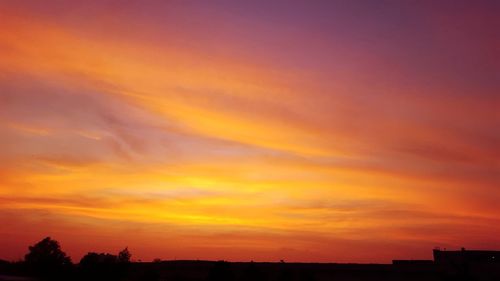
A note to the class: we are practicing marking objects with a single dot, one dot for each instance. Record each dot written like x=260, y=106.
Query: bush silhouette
x=104, y=266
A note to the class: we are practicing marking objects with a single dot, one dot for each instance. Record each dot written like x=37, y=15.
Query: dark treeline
x=46, y=261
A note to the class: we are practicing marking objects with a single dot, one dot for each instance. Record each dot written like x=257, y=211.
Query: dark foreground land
x=225, y=271
x=46, y=261
x=201, y=270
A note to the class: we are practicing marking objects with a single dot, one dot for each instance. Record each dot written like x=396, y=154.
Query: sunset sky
x=330, y=131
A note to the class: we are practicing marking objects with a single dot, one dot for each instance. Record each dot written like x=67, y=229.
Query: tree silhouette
x=124, y=256
x=104, y=266
x=46, y=260
x=94, y=266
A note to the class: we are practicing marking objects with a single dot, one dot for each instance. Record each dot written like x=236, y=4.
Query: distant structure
x=463, y=257
x=467, y=264
x=457, y=265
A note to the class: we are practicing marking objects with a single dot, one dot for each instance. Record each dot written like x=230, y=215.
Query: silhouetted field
x=207, y=270
x=246, y=271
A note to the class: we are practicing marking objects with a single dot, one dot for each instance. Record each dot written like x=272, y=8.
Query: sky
x=313, y=131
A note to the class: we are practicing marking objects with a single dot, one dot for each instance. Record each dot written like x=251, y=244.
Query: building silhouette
x=468, y=264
